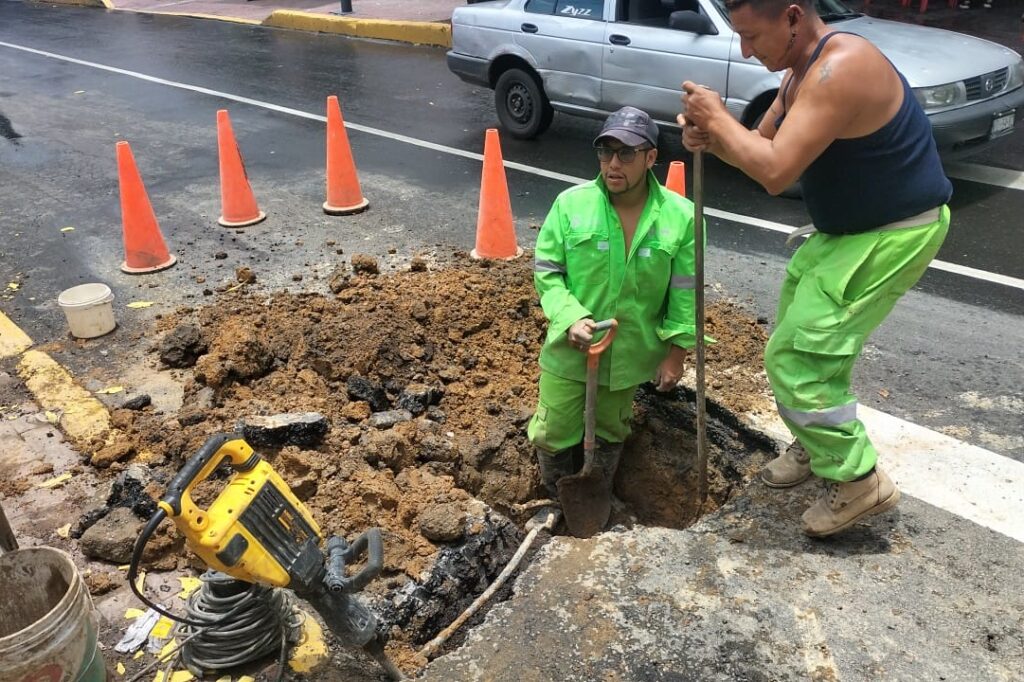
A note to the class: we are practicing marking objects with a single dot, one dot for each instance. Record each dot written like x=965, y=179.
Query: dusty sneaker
x=790, y=468
x=844, y=504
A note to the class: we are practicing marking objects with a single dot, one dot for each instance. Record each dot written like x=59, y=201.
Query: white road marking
x=963, y=270
x=986, y=488
x=974, y=483
x=989, y=175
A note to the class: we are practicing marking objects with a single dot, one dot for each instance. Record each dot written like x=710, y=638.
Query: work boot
x=844, y=504
x=554, y=466
x=790, y=468
x=606, y=456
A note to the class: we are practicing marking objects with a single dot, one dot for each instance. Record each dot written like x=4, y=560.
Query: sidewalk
x=428, y=21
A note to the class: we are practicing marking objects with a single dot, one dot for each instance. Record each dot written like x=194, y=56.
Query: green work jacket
x=581, y=269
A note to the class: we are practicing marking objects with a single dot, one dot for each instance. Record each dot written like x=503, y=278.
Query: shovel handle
x=610, y=325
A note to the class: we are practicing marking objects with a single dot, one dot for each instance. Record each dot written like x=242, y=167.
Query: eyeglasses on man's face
x=625, y=154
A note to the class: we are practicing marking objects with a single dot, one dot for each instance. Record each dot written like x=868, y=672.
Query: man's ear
x=652, y=156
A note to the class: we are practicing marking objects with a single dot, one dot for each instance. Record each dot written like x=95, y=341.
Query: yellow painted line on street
x=82, y=417
x=13, y=341
x=418, y=32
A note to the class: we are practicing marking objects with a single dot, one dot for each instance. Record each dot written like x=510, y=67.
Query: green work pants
x=558, y=422
x=838, y=289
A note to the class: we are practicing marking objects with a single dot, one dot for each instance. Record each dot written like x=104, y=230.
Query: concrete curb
x=416, y=32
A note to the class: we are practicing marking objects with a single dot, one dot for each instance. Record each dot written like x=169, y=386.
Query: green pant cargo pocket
x=827, y=341
x=537, y=429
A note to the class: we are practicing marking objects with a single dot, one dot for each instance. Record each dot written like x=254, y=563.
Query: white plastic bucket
x=47, y=624
x=89, y=309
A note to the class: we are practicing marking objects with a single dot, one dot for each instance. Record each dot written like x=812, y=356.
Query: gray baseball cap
x=630, y=126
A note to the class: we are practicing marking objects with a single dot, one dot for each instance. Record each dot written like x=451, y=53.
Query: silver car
x=590, y=57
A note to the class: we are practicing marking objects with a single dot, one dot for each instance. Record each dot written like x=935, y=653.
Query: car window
x=541, y=6
x=581, y=9
x=828, y=10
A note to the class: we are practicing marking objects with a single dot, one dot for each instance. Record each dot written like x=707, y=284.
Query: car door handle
x=618, y=39
x=529, y=28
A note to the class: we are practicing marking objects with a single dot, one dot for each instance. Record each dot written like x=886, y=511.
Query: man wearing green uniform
x=847, y=125
x=620, y=246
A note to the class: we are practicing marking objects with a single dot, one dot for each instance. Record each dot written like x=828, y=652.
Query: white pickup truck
x=590, y=57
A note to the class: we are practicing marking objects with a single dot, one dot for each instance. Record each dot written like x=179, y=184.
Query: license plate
x=1002, y=124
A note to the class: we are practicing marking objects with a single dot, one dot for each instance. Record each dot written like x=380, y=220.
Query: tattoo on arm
x=826, y=72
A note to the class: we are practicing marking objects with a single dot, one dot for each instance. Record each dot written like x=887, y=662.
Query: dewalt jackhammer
x=258, y=532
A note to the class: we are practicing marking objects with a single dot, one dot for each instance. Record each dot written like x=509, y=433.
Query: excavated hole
x=457, y=348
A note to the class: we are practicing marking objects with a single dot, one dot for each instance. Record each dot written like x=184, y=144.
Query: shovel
x=698, y=262
x=586, y=496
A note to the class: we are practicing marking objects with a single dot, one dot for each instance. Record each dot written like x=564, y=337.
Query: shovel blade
x=586, y=502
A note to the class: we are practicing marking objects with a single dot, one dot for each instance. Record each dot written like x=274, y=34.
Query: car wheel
x=522, y=106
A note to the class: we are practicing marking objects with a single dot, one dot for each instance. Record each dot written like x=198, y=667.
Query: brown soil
x=470, y=333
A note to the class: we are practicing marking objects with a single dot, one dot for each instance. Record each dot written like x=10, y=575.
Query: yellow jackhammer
x=256, y=531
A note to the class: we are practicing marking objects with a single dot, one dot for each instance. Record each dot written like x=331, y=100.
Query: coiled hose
x=263, y=627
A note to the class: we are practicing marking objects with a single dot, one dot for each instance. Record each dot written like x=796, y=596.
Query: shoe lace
x=831, y=492
x=797, y=452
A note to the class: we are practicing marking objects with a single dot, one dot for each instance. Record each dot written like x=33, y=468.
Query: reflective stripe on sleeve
x=548, y=266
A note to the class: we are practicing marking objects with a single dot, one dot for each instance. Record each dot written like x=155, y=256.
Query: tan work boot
x=844, y=504
x=790, y=468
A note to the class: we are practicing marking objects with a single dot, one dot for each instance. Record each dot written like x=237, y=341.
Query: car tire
x=523, y=108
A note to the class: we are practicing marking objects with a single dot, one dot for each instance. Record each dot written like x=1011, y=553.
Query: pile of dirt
x=427, y=379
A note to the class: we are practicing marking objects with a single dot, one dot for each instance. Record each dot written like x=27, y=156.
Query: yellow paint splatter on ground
x=132, y=614
x=311, y=650
x=64, y=531
x=176, y=676
x=120, y=668
x=55, y=482
x=188, y=586
x=162, y=629
x=67, y=229
x=139, y=304
x=110, y=390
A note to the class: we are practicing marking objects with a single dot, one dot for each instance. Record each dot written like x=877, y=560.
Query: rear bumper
x=470, y=69
x=966, y=130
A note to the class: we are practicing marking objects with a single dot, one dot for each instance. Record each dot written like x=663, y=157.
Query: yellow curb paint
x=83, y=418
x=80, y=3
x=13, y=341
x=200, y=15
x=419, y=32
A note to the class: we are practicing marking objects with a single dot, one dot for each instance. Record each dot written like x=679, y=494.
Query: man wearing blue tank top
x=847, y=126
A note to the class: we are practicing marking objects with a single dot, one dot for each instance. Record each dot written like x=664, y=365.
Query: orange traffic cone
x=144, y=247
x=343, y=194
x=495, y=232
x=238, y=205
x=676, y=180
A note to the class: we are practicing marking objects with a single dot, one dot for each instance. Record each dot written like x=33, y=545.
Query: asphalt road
x=948, y=358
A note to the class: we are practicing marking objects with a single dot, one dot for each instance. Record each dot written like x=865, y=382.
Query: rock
x=137, y=403
x=112, y=537
x=418, y=264
x=364, y=264
x=385, y=420
x=101, y=583
x=339, y=280
x=442, y=522
x=192, y=418
x=303, y=429
x=182, y=346
x=220, y=255
x=204, y=399
x=436, y=414
x=113, y=452
x=417, y=397
x=360, y=388
x=245, y=275
x=451, y=373
x=356, y=411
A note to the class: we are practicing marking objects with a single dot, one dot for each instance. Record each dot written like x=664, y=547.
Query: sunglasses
x=625, y=154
